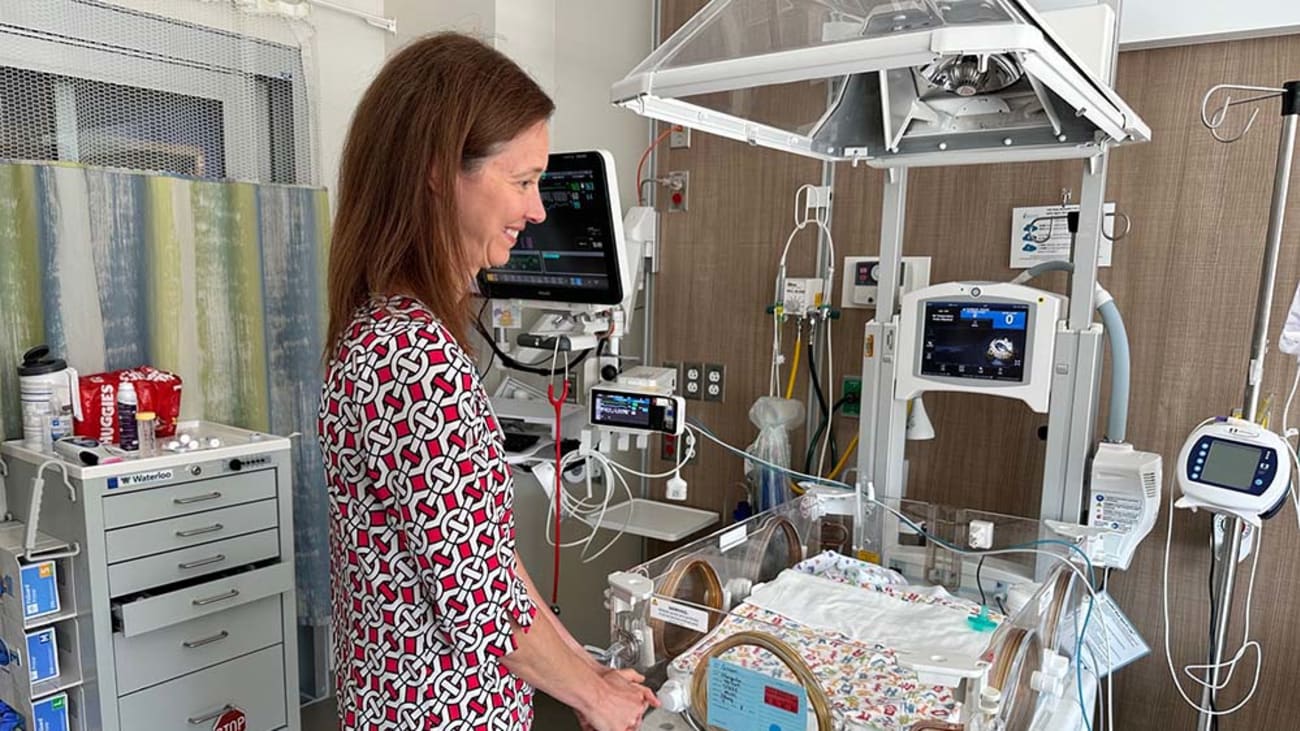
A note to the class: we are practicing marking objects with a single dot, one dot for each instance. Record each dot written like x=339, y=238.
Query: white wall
x=349, y=52
x=575, y=49
x=1151, y=23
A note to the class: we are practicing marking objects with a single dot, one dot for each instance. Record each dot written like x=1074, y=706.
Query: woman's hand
x=621, y=702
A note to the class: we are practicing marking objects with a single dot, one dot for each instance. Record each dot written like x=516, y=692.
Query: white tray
x=658, y=520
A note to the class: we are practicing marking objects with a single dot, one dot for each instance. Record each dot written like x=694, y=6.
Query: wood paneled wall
x=1185, y=279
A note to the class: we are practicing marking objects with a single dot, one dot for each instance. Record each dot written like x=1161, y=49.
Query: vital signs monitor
x=976, y=337
x=1235, y=467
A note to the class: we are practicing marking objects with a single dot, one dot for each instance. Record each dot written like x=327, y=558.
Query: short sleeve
x=431, y=461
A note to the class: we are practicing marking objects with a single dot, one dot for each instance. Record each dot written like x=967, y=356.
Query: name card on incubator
x=741, y=699
x=1109, y=626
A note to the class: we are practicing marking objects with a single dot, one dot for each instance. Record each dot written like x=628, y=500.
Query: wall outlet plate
x=679, y=138
x=668, y=447
x=848, y=386
x=677, y=192
x=715, y=379
x=693, y=381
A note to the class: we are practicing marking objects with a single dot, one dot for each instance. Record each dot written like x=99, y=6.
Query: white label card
x=679, y=614
x=732, y=538
x=1108, y=626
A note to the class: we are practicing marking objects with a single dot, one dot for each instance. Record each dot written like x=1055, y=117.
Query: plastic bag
x=775, y=418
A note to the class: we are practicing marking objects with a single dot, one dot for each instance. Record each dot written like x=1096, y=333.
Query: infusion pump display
x=990, y=338
x=635, y=412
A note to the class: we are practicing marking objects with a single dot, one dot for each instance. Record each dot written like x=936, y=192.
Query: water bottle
x=127, y=405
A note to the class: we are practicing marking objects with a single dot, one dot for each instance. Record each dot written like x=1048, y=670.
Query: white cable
x=776, y=355
x=830, y=417
x=1247, y=643
x=1286, y=437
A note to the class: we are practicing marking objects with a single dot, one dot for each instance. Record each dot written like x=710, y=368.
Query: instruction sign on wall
x=1041, y=233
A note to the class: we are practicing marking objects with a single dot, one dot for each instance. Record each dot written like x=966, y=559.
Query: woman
x=436, y=623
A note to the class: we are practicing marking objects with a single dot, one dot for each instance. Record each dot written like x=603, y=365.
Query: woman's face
x=500, y=197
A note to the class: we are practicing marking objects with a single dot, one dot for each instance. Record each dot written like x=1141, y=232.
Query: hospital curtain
x=221, y=283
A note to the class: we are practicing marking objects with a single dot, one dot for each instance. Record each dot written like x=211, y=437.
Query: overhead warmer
x=892, y=83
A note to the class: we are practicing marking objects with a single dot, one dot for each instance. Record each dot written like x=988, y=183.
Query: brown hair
x=439, y=107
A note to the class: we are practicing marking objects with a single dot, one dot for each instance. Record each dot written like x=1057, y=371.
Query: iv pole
x=1227, y=532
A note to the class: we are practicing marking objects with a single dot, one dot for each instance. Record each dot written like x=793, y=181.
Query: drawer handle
x=202, y=562
x=199, y=531
x=211, y=716
x=214, y=599
x=197, y=499
x=195, y=644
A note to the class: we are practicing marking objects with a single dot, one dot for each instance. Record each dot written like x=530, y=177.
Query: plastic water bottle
x=127, y=405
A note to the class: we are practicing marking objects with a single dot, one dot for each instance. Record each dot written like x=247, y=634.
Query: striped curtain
x=221, y=283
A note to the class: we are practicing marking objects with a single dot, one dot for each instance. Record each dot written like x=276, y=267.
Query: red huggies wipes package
x=157, y=391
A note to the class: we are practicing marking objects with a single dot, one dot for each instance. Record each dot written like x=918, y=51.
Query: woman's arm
x=548, y=616
x=606, y=701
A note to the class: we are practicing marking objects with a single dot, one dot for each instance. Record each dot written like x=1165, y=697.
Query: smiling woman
x=435, y=620
x=499, y=197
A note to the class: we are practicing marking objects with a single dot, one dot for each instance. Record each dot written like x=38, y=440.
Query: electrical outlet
x=851, y=386
x=680, y=138
x=678, y=182
x=714, y=381
x=668, y=447
x=693, y=381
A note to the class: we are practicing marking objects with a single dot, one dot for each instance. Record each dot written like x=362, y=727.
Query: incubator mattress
x=849, y=624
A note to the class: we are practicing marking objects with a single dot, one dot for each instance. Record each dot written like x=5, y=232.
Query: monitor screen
x=1231, y=465
x=618, y=409
x=575, y=255
x=979, y=341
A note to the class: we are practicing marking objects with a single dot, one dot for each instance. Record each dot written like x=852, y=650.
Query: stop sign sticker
x=231, y=720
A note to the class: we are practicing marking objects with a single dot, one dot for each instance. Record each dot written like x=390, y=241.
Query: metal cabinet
x=176, y=584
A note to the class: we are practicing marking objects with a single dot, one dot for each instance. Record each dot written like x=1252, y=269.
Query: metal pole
x=890, y=414
x=1227, y=534
x=1268, y=276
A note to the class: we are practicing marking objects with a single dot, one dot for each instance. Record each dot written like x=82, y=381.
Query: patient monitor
x=978, y=337
x=577, y=255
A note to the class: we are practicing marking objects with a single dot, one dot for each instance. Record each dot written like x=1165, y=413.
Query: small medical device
x=990, y=338
x=861, y=285
x=1125, y=499
x=84, y=451
x=637, y=412
x=578, y=254
x=802, y=296
x=1235, y=467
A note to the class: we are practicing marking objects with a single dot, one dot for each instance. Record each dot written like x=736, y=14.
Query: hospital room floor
x=549, y=715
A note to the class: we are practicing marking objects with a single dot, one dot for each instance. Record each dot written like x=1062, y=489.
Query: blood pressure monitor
x=1234, y=467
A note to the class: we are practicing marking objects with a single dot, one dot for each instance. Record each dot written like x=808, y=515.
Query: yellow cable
x=794, y=367
x=844, y=458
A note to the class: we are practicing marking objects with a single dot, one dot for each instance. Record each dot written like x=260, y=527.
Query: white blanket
x=872, y=616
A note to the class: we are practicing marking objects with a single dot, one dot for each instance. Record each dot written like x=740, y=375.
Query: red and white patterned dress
x=421, y=532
